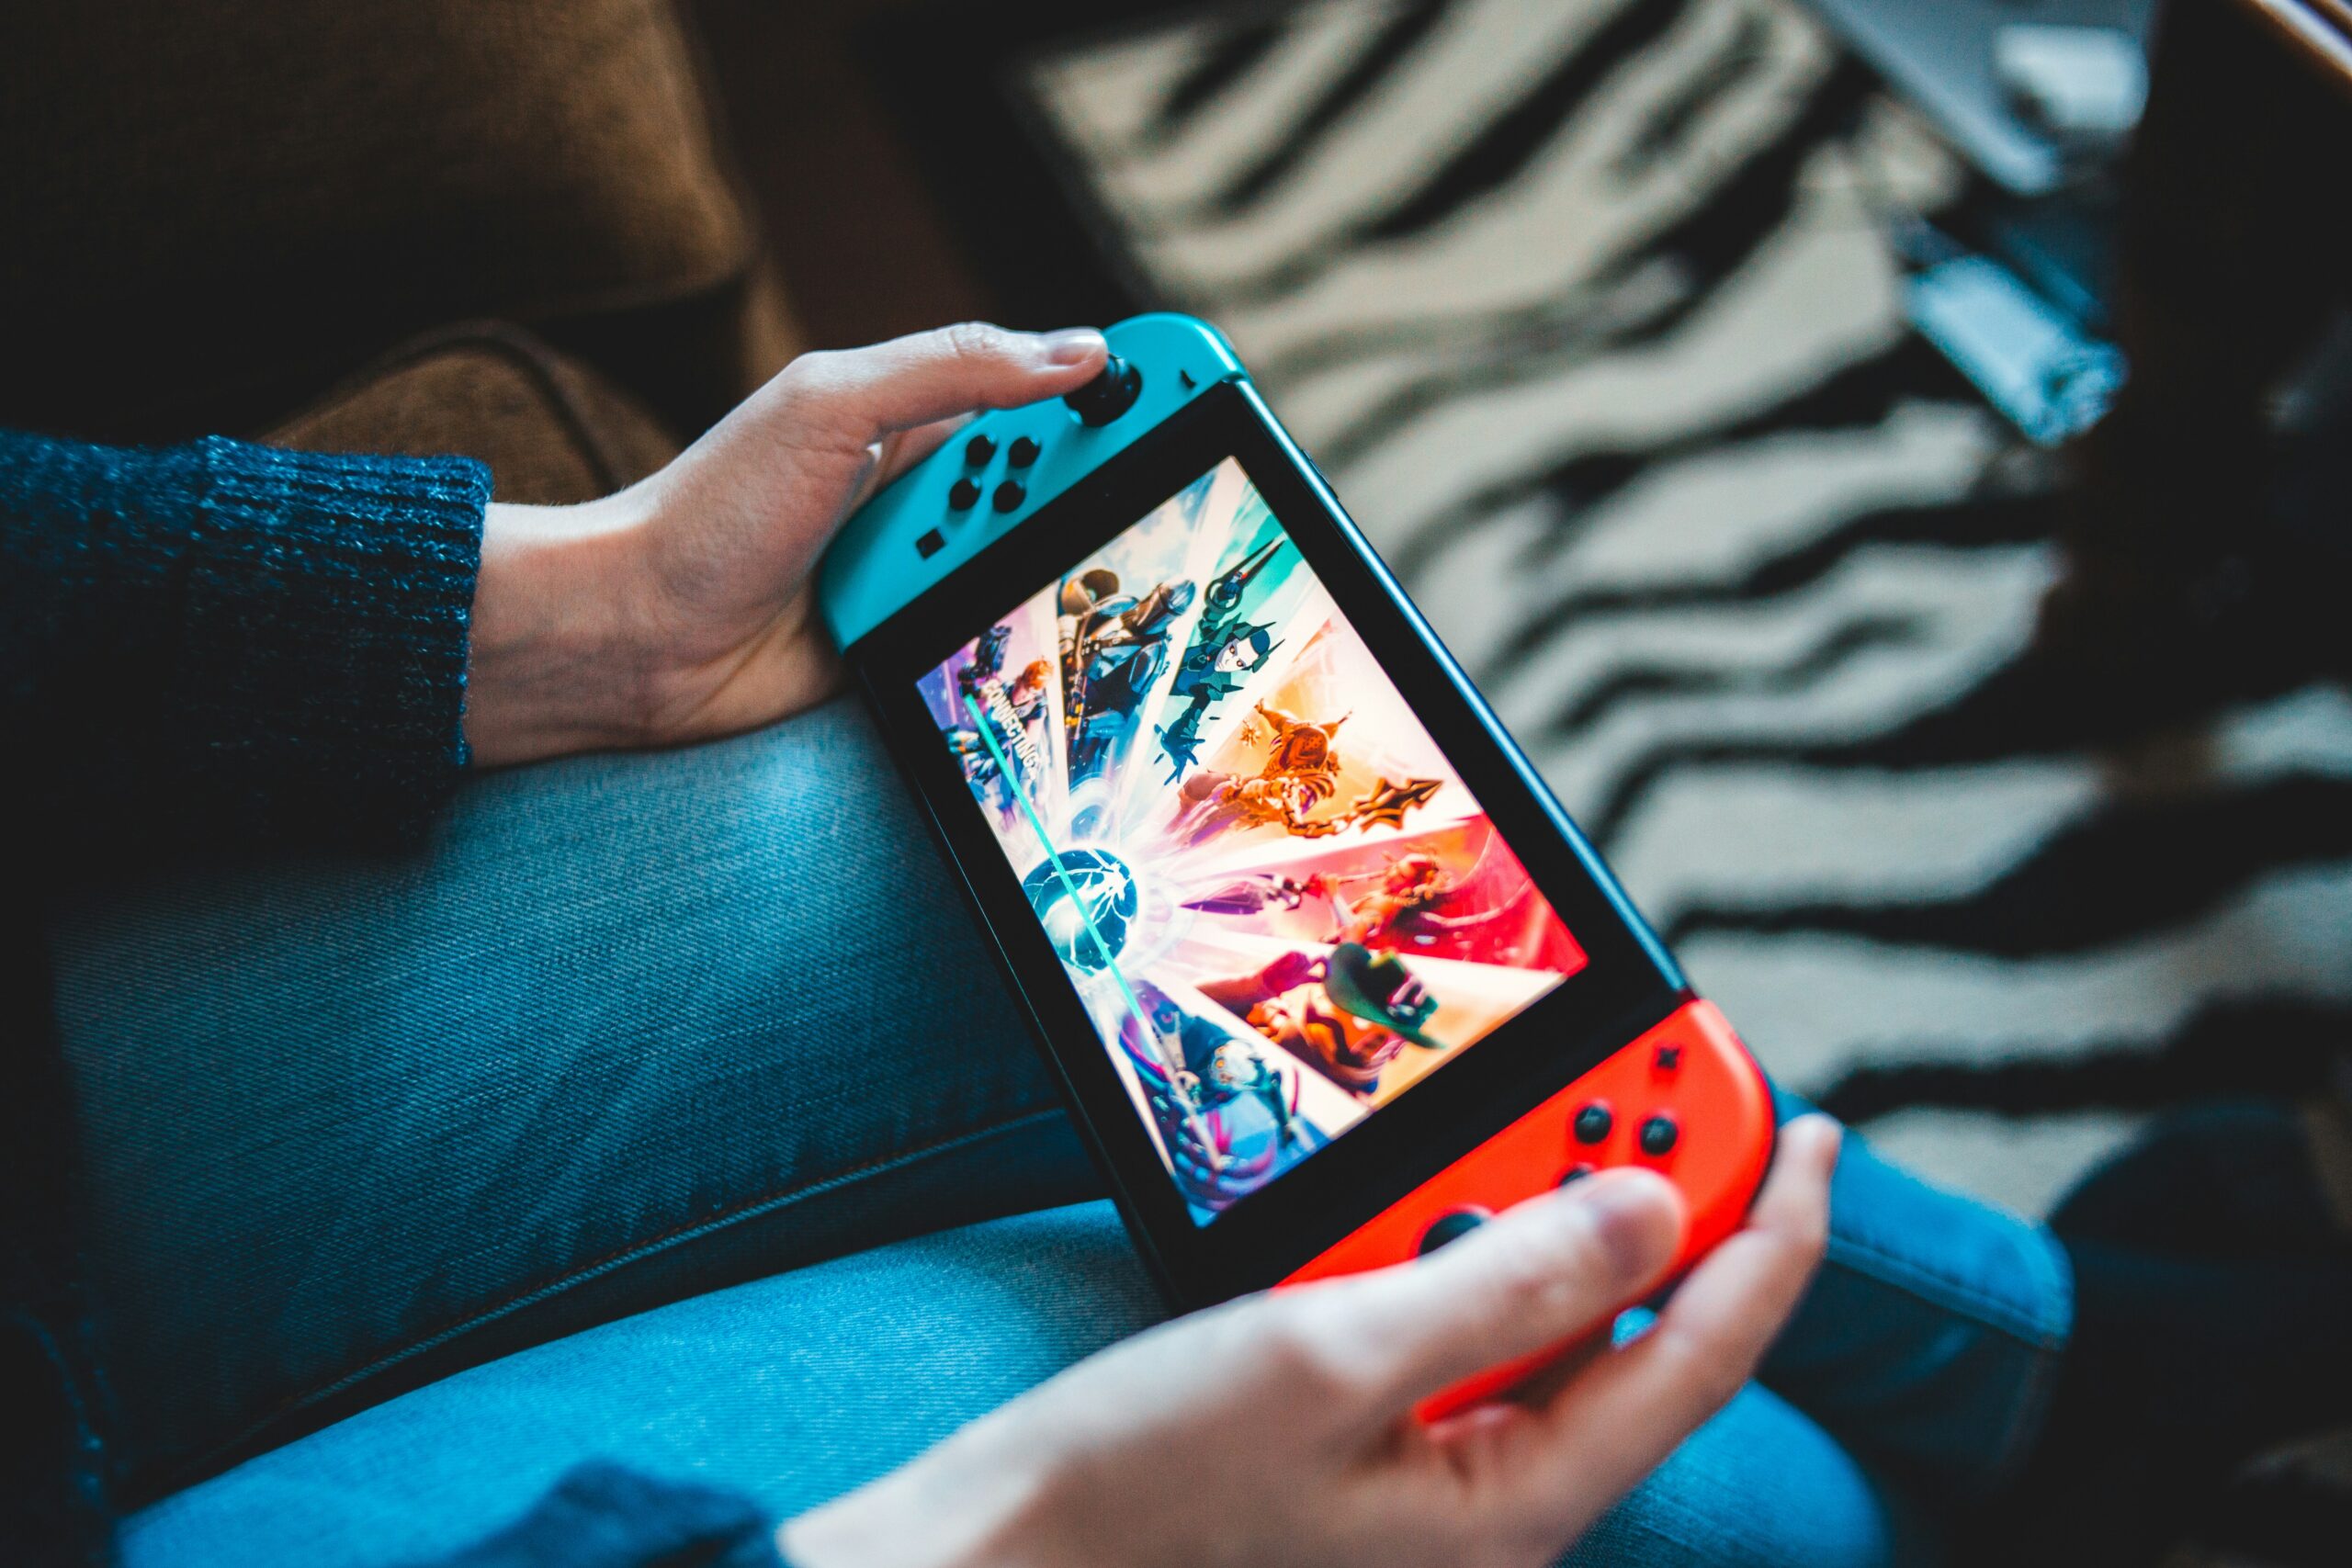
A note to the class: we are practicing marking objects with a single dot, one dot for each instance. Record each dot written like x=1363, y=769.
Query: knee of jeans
x=1758, y=1486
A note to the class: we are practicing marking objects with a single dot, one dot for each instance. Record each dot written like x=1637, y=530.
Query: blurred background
x=1885, y=461
x=1888, y=461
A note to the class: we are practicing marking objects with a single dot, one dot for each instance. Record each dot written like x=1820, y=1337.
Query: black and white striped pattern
x=1590, y=309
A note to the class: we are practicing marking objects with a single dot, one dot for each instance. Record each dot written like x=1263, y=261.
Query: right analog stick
x=1109, y=395
x=1450, y=1226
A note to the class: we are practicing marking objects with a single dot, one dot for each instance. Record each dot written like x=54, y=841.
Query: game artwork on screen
x=1279, y=905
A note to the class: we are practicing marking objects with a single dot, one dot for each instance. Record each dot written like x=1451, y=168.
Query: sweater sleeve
x=223, y=641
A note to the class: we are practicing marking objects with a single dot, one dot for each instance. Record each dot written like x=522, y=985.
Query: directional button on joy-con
x=962, y=495
x=1022, y=452
x=1008, y=495
x=1592, y=1123
x=979, y=450
x=1450, y=1226
x=1658, y=1135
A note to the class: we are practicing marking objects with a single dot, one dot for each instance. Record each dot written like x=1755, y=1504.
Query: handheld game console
x=1326, y=975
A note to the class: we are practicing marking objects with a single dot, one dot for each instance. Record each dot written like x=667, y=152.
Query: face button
x=1592, y=1123
x=963, y=494
x=1658, y=1135
x=1022, y=453
x=1008, y=495
x=1109, y=395
x=1669, y=1057
x=979, y=450
x=1574, y=1174
x=1450, y=1226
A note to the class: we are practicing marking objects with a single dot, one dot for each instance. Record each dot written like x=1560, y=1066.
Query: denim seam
x=634, y=1252
x=1851, y=1252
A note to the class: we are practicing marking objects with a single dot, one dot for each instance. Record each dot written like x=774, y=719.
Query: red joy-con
x=1685, y=1100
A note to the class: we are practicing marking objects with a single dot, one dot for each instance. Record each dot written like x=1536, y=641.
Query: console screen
x=1278, y=902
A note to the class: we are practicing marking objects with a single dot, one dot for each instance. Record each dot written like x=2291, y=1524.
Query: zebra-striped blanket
x=1591, y=310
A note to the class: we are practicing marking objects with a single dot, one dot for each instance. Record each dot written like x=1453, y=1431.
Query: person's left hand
x=680, y=609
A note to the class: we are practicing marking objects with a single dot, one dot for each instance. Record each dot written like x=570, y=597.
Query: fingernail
x=1827, y=1136
x=1072, y=346
x=1623, y=1209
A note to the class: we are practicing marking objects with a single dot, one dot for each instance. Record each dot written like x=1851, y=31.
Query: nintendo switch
x=1328, y=976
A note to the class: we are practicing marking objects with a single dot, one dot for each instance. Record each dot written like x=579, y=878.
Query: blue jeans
x=668, y=1109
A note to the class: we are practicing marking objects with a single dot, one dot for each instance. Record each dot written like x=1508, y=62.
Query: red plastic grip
x=1691, y=1069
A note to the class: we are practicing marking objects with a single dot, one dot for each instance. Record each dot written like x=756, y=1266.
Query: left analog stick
x=1109, y=395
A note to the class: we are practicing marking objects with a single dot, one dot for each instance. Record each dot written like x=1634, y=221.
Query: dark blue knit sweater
x=203, y=646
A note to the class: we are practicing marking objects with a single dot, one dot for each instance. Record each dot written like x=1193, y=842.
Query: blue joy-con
x=915, y=534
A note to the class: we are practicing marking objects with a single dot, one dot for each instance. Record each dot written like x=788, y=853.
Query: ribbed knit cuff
x=327, y=607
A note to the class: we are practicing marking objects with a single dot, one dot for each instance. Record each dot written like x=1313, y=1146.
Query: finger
x=861, y=395
x=904, y=449
x=1542, y=1271
x=1619, y=1419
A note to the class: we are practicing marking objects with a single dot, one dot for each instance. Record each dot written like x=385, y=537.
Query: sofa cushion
x=214, y=210
x=554, y=431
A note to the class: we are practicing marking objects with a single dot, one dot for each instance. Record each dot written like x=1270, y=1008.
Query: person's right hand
x=1278, y=1428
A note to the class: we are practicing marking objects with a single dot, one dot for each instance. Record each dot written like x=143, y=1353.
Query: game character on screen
x=1224, y=649
x=1403, y=904
x=1300, y=774
x=1114, y=649
x=1229, y=1122
x=1348, y=1015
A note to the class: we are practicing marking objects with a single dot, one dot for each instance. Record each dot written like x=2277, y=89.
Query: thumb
x=1542, y=1271
x=861, y=395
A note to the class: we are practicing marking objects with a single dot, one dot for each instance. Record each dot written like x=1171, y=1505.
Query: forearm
x=220, y=639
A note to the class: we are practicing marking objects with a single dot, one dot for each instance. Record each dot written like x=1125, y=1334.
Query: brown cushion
x=214, y=210
x=553, y=432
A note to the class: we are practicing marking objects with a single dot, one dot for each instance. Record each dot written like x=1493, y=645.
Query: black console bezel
x=1629, y=983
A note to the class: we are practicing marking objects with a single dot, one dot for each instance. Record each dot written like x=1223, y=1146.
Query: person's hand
x=1276, y=1429
x=680, y=610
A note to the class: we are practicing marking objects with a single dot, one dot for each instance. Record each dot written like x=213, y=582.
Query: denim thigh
x=629, y=1028
x=799, y=1387
x=1932, y=1336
